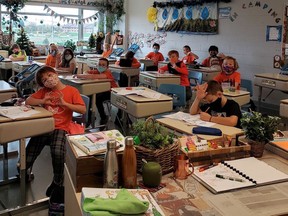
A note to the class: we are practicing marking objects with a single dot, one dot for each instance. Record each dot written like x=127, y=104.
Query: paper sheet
x=16, y=112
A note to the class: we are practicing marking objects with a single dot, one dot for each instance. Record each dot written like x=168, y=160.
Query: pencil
x=207, y=109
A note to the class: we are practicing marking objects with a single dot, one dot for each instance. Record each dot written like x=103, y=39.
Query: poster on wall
x=274, y=33
x=197, y=19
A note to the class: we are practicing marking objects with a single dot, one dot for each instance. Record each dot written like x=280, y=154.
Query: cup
x=151, y=174
x=225, y=86
x=30, y=59
x=181, y=167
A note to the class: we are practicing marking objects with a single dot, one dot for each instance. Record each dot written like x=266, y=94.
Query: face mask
x=213, y=54
x=228, y=69
x=68, y=57
x=101, y=69
x=51, y=82
x=16, y=53
x=156, y=50
x=53, y=53
x=216, y=105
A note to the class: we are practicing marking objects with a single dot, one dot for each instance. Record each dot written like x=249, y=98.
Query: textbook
x=96, y=143
x=236, y=174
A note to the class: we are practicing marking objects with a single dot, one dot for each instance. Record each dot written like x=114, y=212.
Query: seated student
x=54, y=56
x=68, y=62
x=108, y=46
x=62, y=100
x=102, y=72
x=18, y=54
x=189, y=57
x=215, y=60
x=213, y=106
x=155, y=56
x=175, y=66
x=229, y=73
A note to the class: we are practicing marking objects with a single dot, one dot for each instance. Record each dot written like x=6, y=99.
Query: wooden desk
x=146, y=62
x=182, y=127
x=208, y=73
x=153, y=79
x=88, y=87
x=83, y=62
x=19, y=129
x=240, y=96
x=162, y=63
x=19, y=66
x=129, y=71
x=6, y=91
x=191, y=197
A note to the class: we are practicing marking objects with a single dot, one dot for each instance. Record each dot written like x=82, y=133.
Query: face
x=228, y=62
x=155, y=48
x=213, y=53
x=185, y=51
x=228, y=66
x=15, y=50
x=209, y=98
x=49, y=79
x=173, y=58
x=102, y=64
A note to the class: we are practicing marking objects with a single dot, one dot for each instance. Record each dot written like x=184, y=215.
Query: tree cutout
x=23, y=42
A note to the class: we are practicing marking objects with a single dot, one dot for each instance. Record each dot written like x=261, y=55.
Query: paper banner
x=45, y=7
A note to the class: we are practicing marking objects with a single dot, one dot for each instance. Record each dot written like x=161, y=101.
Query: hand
x=174, y=65
x=61, y=101
x=201, y=91
x=161, y=71
x=205, y=116
x=47, y=100
x=221, y=55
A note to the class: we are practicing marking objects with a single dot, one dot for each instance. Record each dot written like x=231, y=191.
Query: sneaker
x=50, y=189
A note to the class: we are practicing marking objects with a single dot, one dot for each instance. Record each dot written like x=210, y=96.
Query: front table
x=88, y=87
x=239, y=96
x=208, y=73
x=129, y=71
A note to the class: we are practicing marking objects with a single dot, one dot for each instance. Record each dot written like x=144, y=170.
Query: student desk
x=36, y=124
x=184, y=128
x=146, y=62
x=129, y=71
x=6, y=91
x=162, y=63
x=191, y=197
x=208, y=73
x=83, y=62
x=88, y=87
x=240, y=96
x=40, y=59
x=153, y=79
x=272, y=81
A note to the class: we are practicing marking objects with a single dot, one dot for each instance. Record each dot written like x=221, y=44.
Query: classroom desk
x=84, y=62
x=6, y=91
x=162, y=63
x=40, y=59
x=208, y=73
x=88, y=87
x=5, y=65
x=153, y=79
x=184, y=128
x=191, y=197
x=146, y=62
x=240, y=96
x=36, y=124
x=19, y=66
x=129, y=71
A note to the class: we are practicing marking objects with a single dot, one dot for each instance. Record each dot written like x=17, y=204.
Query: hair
x=40, y=72
x=173, y=52
x=213, y=87
x=52, y=45
x=104, y=59
x=213, y=48
x=129, y=55
x=65, y=63
x=15, y=46
x=236, y=65
x=187, y=47
x=157, y=45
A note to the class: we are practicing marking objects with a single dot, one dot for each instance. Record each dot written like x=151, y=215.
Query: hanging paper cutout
x=189, y=13
x=175, y=13
x=205, y=13
x=165, y=14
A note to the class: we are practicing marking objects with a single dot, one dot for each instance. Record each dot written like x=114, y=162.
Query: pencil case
x=207, y=131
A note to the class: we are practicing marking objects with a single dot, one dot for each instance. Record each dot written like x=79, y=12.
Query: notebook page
x=209, y=179
x=258, y=170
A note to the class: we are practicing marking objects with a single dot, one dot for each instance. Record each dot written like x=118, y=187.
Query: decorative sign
x=274, y=33
x=224, y=13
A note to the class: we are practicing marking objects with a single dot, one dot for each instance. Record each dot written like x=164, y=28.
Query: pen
x=201, y=169
x=229, y=178
x=207, y=109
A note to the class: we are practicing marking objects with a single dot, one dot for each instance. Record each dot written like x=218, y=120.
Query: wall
x=244, y=38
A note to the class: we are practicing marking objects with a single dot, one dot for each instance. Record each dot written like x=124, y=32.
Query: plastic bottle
x=111, y=169
x=129, y=164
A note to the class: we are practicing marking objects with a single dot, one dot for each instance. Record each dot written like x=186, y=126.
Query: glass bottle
x=111, y=169
x=129, y=164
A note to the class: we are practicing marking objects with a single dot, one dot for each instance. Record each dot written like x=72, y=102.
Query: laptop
x=125, y=62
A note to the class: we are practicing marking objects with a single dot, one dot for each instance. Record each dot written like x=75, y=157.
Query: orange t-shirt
x=135, y=63
x=189, y=58
x=155, y=57
x=61, y=114
x=50, y=61
x=223, y=77
x=108, y=75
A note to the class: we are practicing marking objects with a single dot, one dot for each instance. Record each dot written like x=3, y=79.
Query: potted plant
x=154, y=142
x=258, y=129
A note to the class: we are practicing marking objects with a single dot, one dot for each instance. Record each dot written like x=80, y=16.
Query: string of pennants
x=69, y=20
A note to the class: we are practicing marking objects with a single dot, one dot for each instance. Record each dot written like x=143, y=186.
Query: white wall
x=244, y=38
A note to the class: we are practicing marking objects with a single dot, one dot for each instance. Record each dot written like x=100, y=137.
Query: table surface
x=155, y=74
x=80, y=81
x=237, y=93
x=6, y=87
x=275, y=76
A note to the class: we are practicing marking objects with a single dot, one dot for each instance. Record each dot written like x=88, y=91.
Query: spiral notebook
x=236, y=174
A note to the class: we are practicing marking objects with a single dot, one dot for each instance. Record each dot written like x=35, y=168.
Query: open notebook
x=236, y=174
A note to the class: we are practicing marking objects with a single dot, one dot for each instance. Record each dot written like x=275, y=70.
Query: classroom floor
x=42, y=169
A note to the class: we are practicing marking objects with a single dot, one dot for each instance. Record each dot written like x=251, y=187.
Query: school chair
x=82, y=118
x=248, y=86
x=195, y=78
x=133, y=48
x=177, y=92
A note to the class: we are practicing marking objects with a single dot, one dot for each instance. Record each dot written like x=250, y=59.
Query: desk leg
x=259, y=98
x=22, y=149
x=93, y=114
x=129, y=81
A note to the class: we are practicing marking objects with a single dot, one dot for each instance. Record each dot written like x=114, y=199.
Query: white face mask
x=51, y=82
x=68, y=57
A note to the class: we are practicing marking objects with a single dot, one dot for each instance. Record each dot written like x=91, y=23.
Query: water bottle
x=111, y=169
x=129, y=164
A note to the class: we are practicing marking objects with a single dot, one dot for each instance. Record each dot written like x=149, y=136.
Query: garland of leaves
x=186, y=3
x=15, y=5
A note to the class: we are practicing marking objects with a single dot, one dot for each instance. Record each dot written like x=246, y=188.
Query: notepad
x=251, y=171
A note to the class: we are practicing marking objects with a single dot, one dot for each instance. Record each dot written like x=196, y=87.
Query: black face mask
x=16, y=53
x=216, y=105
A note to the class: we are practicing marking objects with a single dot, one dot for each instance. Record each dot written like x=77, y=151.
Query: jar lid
x=129, y=141
x=111, y=144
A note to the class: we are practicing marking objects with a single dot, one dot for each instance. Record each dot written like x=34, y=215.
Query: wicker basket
x=164, y=156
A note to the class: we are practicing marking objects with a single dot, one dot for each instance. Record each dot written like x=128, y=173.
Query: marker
x=203, y=168
x=229, y=178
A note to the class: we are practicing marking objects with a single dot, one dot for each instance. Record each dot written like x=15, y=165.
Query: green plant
x=259, y=127
x=92, y=41
x=70, y=44
x=151, y=134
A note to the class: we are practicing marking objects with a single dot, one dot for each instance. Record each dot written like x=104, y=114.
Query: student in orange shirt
x=229, y=73
x=215, y=58
x=189, y=57
x=155, y=56
x=102, y=72
x=175, y=66
x=54, y=56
